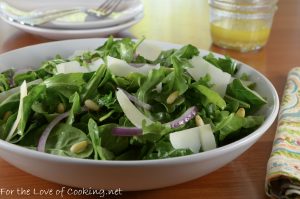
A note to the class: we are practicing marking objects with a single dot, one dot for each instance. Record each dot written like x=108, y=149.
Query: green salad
x=128, y=100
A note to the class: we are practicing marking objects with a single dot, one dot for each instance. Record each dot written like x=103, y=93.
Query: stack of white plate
x=80, y=25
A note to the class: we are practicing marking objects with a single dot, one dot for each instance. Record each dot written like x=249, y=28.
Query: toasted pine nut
x=240, y=112
x=60, y=108
x=6, y=115
x=199, y=121
x=172, y=97
x=79, y=147
x=91, y=105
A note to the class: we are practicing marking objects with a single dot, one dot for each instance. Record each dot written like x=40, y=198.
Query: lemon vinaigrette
x=242, y=25
x=240, y=34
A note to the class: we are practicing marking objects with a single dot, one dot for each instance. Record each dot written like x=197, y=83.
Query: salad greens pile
x=114, y=103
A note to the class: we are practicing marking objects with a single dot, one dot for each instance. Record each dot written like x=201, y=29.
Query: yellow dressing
x=240, y=34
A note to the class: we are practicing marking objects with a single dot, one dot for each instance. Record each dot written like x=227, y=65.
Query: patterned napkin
x=283, y=171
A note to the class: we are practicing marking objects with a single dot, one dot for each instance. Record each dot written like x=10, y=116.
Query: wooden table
x=187, y=21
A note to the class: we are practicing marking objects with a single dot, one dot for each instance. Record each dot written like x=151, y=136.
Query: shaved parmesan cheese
x=121, y=68
x=75, y=67
x=219, y=78
x=23, y=93
x=194, y=139
x=80, y=53
x=135, y=116
x=186, y=139
x=148, y=50
x=207, y=138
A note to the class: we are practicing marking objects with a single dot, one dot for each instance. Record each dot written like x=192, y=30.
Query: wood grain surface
x=183, y=22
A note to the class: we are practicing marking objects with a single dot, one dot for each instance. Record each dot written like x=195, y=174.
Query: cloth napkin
x=283, y=170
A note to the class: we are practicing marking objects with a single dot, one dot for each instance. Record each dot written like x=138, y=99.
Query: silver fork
x=35, y=19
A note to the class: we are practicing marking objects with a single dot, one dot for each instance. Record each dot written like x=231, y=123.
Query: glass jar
x=242, y=25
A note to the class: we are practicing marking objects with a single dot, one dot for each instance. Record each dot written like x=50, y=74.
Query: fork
x=35, y=19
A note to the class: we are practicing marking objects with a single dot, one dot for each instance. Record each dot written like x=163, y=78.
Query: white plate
x=126, y=175
x=125, y=11
x=59, y=34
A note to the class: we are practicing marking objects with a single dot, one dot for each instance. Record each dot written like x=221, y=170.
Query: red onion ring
x=126, y=131
x=184, y=118
x=136, y=100
x=132, y=131
x=43, y=139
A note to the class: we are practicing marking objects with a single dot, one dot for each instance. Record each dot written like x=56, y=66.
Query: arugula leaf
x=66, y=84
x=11, y=103
x=153, y=132
x=75, y=100
x=164, y=149
x=131, y=82
x=205, y=81
x=63, y=137
x=181, y=83
x=211, y=96
x=226, y=64
x=239, y=102
x=109, y=101
x=241, y=92
x=115, y=144
x=87, y=57
x=187, y=52
x=28, y=76
x=184, y=53
x=4, y=83
x=122, y=49
x=164, y=58
x=232, y=124
x=8, y=125
x=99, y=151
x=154, y=77
x=99, y=78
x=31, y=138
x=48, y=68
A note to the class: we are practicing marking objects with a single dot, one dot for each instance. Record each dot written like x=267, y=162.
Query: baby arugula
x=168, y=96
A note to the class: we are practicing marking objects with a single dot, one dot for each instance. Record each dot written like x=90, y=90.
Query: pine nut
x=60, y=108
x=79, y=147
x=240, y=112
x=199, y=121
x=91, y=105
x=6, y=115
x=172, y=97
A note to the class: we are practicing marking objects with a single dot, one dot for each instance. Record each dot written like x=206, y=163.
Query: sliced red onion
x=137, y=101
x=126, y=131
x=184, y=118
x=43, y=139
x=134, y=131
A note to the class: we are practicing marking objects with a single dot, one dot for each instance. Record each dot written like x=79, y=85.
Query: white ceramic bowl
x=127, y=175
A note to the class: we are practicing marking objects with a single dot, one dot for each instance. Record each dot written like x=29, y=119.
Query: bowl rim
x=136, y=163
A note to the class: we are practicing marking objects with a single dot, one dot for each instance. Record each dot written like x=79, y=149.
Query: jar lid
x=245, y=6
